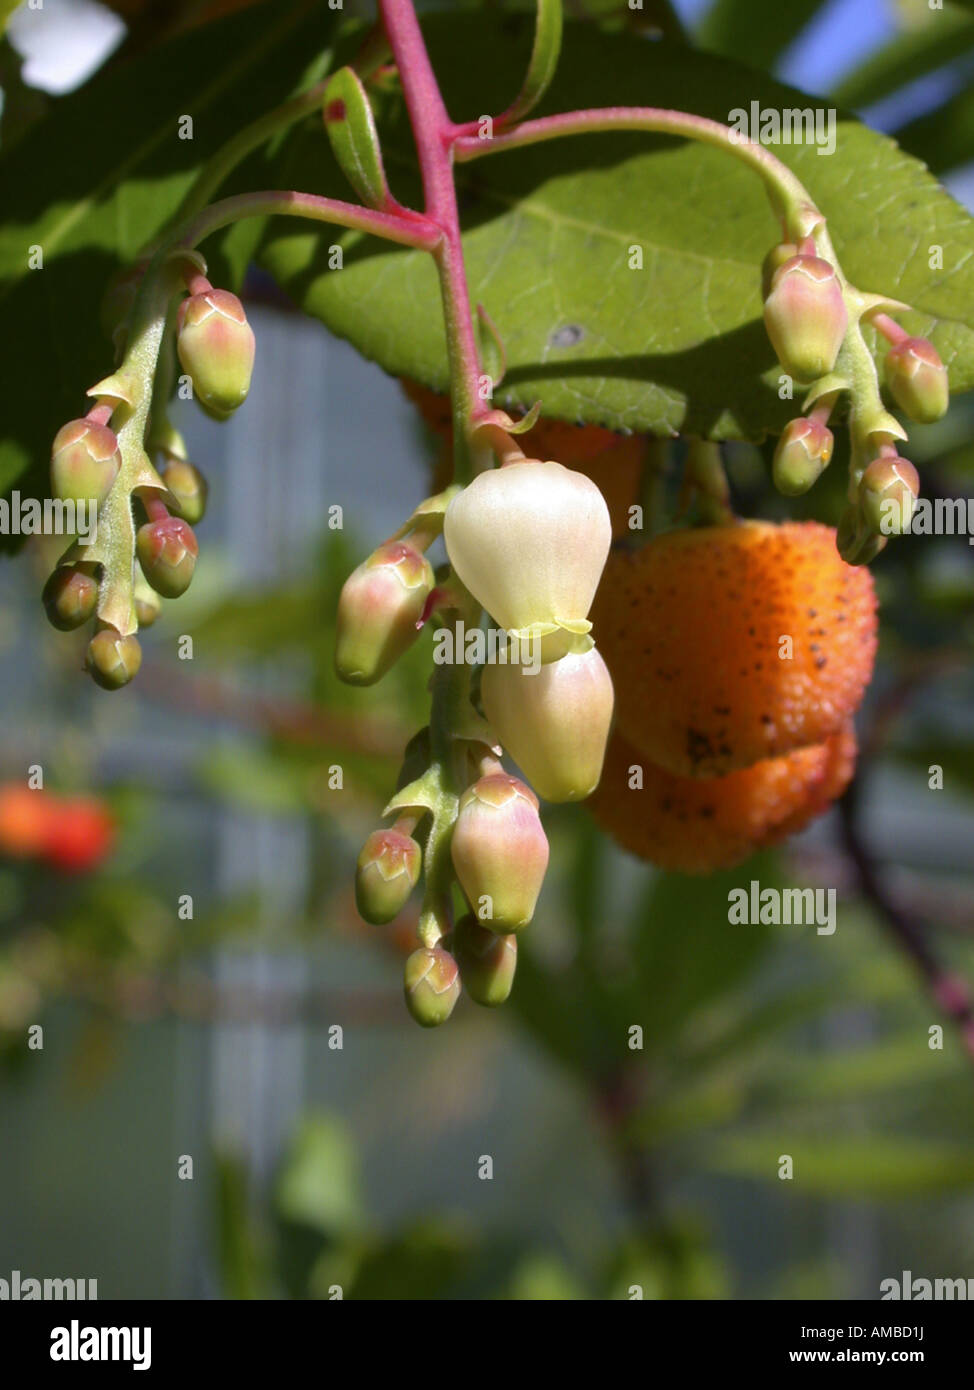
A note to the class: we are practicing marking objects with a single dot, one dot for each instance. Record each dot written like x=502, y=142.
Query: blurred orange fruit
x=732, y=644
x=695, y=825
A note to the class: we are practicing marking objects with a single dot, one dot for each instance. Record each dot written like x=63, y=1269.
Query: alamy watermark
x=493, y=647
x=27, y=516
x=24, y=1289
x=757, y=906
x=925, y=516
x=913, y=1290
x=793, y=125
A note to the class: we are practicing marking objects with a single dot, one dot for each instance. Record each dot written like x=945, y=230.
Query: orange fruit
x=25, y=816
x=732, y=644
x=80, y=834
x=697, y=824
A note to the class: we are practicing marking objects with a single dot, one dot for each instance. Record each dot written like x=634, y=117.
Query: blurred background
x=187, y=937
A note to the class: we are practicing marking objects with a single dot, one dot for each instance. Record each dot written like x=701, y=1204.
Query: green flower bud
x=887, y=492
x=70, y=597
x=487, y=962
x=555, y=722
x=432, y=985
x=802, y=455
x=113, y=660
x=500, y=851
x=774, y=260
x=84, y=462
x=530, y=541
x=167, y=551
x=855, y=542
x=388, y=871
x=380, y=606
x=805, y=316
x=148, y=606
x=918, y=380
x=216, y=347
x=188, y=489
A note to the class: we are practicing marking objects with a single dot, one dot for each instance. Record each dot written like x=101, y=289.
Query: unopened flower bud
x=84, y=462
x=216, y=347
x=148, y=606
x=855, y=541
x=388, y=871
x=887, y=492
x=487, y=961
x=500, y=851
x=432, y=985
x=530, y=541
x=70, y=597
x=167, y=551
x=803, y=453
x=188, y=488
x=773, y=261
x=113, y=660
x=381, y=603
x=555, y=722
x=805, y=316
x=918, y=380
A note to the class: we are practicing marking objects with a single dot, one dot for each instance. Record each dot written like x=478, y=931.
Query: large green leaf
x=91, y=183
x=678, y=345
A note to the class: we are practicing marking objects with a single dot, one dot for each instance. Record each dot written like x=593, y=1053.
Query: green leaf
x=943, y=138
x=318, y=1184
x=678, y=345
x=543, y=61
x=97, y=178
x=752, y=30
x=354, y=142
x=879, y=1167
x=910, y=55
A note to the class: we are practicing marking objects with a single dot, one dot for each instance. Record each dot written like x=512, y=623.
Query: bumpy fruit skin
x=84, y=462
x=113, y=660
x=487, y=962
x=70, y=598
x=695, y=825
x=80, y=834
x=379, y=609
x=167, y=551
x=918, y=380
x=432, y=986
x=691, y=628
x=25, y=816
x=387, y=872
x=805, y=316
x=555, y=722
x=529, y=541
x=216, y=347
x=500, y=851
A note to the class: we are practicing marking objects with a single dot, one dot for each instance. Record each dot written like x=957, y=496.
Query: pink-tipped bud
x=388, y=871
x=187, y=488
x=500, y=851
x=918, y=380
x=554, y=723
x=802, y=455
x=887, y=492
x=216, y=347
x=84, y=462
x=530, y=541
x=487, y=961
x=806, y=317
x=112, y=659
x=70, y=597
x=381, y=603
x=432, y=985
x=773, y=261
x=167, y=551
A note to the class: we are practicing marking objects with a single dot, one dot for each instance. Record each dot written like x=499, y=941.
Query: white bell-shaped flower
x=553, y=721
x=529, y=541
